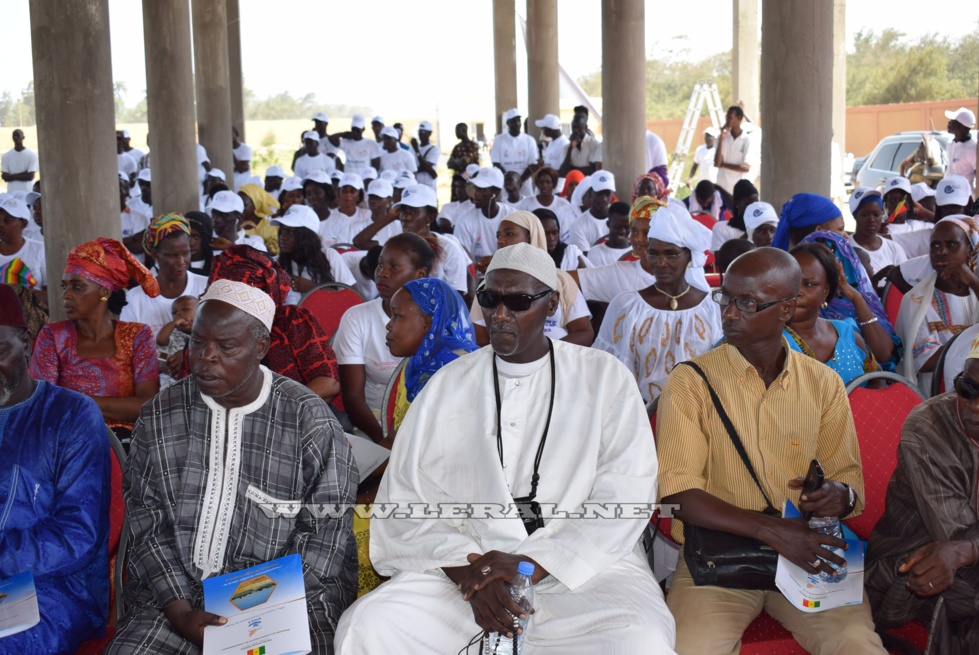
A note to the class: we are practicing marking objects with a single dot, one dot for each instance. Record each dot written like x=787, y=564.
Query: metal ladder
x=703, y=91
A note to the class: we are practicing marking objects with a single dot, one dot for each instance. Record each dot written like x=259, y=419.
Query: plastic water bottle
x=522, y=592
x=830, y=525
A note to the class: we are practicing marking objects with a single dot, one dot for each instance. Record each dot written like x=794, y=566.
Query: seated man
x=209, y=455
x=926, y=547
x=787, y=409
x=54, y=491
x=458, y=448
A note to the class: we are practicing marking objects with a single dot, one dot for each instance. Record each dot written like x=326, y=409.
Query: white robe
x=600, y=595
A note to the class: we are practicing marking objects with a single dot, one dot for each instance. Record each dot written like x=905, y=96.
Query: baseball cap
x=320, y=116
x=378, y=119
x=952, y=190
x=404, y=180
x=861, y=194
x=425, y=126
x=380, y=189
x=357, y=120
x=963, y=116
x=291, y=184
x=388, y=175
x=713, y=131
x=313, y=136
x=369, y=173
x=550, y=121
x=352, y=179
x=318, y=176
x=275, y=171
x=298, y=216
x=15, y=207
x=336, y=175
x=510, y=114
x=898, y=182
x=488, y=178
x=920, y=191
x=389, y=131
x=144, y=175
x=227, y=202
x=125, y=133
x=418, y=195
x=31, y=198
x=218, y=173
x=602, y=181
x=472, y=170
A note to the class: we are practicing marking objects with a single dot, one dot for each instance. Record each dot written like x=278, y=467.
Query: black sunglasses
x=965, y=387
x=515, y=302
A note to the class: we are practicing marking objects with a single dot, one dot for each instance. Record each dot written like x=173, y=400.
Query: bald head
x=769, y=269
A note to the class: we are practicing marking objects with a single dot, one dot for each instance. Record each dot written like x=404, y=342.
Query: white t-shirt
x=722, y=233
x=133, y=222
x=587, y=230
x=554, y=152
x=562, y=208
x=603, y=283
x=889, y=254
x=431, y=154
x=361, y=339
x=306, y=165
x=340, y=228
x=32, y=254
x=962, y=160
x=398, y=161
x=201, y=158
x=243, y=153
x=137, y=155
x=570, y=259
x=138, y=207
x=364, y=285
x=452, y=268
x=914, y=243
x=155, y=312
x=602, y=255
x=241, y=179
x=19, y=162
x=452, y=210
x=338, y=268
x=358, y=154
x=127, y=164
x=589, y=153
x=735, y=151
x=704, y=158
x=515, y=153
x=386, y=232
x=656, y=154
x=477, y=233
x=327, y=148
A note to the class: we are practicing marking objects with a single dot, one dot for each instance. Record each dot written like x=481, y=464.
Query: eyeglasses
x=746, y=305
x=515, y=302
x=668, y=256
x=965, y=387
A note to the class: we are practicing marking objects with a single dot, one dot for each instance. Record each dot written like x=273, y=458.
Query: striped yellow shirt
x=803, y=415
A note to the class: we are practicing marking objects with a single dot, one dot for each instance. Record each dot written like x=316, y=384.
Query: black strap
x=733, y=434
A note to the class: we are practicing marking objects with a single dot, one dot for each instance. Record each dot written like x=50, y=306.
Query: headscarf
x=451, y=331
x=968, y=225
x=803, y=210
x=16, y=272
x=661, y=189
x=109, y=264
x=201, y=222
x=579, y=193
x=573, y=176
x=265, y=205
x=644, y=208
x=163, y=226
x=672, y=226
x=245, y=264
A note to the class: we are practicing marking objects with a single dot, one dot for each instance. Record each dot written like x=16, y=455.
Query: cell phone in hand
x=813, y=481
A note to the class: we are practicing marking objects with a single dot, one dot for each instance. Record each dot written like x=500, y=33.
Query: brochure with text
x=18, y=604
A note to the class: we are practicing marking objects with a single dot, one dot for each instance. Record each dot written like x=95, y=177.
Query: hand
x=184, y=324
x=221, y=243
x=503, y=567
x=831, y=499
x=848, y=291
x=482, y=263
x=961, y=273
x=414, y=143
x=932, y=567
x=797, y=542
x=190, y=623
x=302, y=285
x=494, y=609
x=175, y=362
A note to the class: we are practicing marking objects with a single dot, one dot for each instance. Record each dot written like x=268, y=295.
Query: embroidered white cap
x=952, y=190
x=528, y=259
x=380, y=189
x=247, y=298
x=227, y=202
x=858, y=196
x=602, y=181
x=898, y=182
x=489, y=178
x=419, y=195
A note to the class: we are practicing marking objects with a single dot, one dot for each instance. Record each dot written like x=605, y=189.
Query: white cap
x=245, y=297
x=404, y=180
x=357, y=120
x=291, y=184
x=218, y=173
x=528, y=259
x=387, y=130
x=125, y=133
x=510, y=114
x=144, y=175
x=31, y=198
x=897, y=182
x=320, y=116
x=125, y=178
x=602, y=181
x=388, y=175
x=858, y=196
x=275, y=171
x=15, y=207
x=311, y=135
x=713, y=131
x=378, y=119
x=471, y=170
x=298, y=216
x=920, y=191
x=352, y=179
x=550, y=121
x=337, y=175
x=418, y=195
x=425, y=126
x=963, y=116
x=369, y=173
x=952, y=190
x=488, y=178
x=227, y=202
x=380, y=189
x=318, y=176
x=757, y=214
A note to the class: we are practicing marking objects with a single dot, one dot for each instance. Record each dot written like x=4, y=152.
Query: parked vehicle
x=884, y=161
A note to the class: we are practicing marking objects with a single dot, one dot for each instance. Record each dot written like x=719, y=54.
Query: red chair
x=938, y=376
x=328, y=302
x=892, y=302
x=704, y=219
x=715, y=280
x=391, y=397
x=344, y=247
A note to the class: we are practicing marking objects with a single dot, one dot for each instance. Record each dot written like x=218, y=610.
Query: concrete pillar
x=212, y=78
x=170, y=103
x=839, y=83
x=744, y=64
x=504, y=58
x=544, y=94
x=75, y=129
x=235, y=75
x=624, y=91
x=797, y=78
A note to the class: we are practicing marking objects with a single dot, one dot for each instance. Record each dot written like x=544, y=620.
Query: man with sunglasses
x=926, y=546
x=787, y=409
x=500, y=457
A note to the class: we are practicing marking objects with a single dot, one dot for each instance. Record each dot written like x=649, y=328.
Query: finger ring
x=486, y=570
x=815, y=564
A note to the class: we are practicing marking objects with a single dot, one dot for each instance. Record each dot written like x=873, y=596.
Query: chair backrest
x=715, y=280
x=344, y=247
x=953, y=355
x=390, y=398
x=704, y=219
x=328, y=302
x=938, y=385
x=878, y=415
x=118, y=526
x=892, y=302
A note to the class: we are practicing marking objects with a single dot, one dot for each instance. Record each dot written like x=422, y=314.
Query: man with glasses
x=923, y=552
x=787, y=410
x=495, y=478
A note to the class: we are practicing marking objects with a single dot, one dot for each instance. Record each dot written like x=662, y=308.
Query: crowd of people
x=579, y=298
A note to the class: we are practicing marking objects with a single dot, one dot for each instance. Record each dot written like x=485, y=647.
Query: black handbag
x=721, y=558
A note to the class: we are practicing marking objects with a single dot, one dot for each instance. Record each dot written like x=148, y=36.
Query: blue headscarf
x=803, y=210
x=840, y=308
x=451, y=331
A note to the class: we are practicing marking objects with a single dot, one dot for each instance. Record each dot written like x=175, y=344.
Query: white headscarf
x=579, y=193
x=674, y=225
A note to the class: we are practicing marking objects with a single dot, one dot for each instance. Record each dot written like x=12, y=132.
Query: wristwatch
x=852, y=502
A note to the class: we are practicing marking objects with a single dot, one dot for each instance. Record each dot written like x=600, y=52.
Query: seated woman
x=857, y=300
x=566, y=256
x=760, y=223
x=298, y=347
x=572, y=320
x=302, y=254
x=945, y=302
x=545, y=179
x=674, y=319
x=201, y=235
x=837, y=343
x=112, y=362
x=260, y=206
x=650, y=185
x=349, y=218
x=868, y=212
x=366, y=364
x=290, y=193
x=803, y=214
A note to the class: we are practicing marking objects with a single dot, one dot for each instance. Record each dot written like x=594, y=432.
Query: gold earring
x=104, y=299
x=824, y=305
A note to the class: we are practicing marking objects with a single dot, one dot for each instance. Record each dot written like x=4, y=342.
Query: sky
x=379, y=52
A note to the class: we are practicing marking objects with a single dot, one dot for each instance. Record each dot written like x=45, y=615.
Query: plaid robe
x=291, y=449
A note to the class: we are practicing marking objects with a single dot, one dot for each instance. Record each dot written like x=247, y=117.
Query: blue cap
x=525, y=568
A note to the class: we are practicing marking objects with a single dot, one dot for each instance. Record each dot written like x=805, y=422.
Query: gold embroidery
x=666, y=334
x=644, y=329
x=616, y=335
x=699, y=327
x=669, y=362
x=939, y=326
x=677, y=331
x=650, y=358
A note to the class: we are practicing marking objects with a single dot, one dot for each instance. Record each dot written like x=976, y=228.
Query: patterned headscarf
x=163, y=226
x=109, y=264
x=661, y=189
x=451, y=331
x=265, y=205
x=253, y=267
x=17, y=272
x=644, y=208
